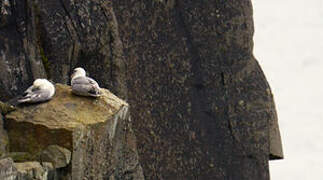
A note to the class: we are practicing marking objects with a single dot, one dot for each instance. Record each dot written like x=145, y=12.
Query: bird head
x=78, y=72
x=41, y=83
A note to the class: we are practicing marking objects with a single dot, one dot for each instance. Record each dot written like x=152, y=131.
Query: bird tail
x=95, y=92
x=24, y=99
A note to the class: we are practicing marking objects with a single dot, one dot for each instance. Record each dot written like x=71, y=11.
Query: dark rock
x=5, y=13
x=201, y=105
x=51, y=171
x=20, y=60
x=3, y=138
x=49, y=38
x=30, y=170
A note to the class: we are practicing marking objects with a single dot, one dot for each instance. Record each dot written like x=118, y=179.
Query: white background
x=288, y=44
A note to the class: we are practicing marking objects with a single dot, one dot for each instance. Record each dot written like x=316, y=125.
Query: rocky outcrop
x=201, y=106
x=93, y=131
x=33, y=128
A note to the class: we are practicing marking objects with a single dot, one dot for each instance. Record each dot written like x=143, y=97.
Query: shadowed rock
x=58, y=156
x=3, y=138
x=4, y=108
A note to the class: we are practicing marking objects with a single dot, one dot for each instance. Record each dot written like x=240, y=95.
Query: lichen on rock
x=6, y=108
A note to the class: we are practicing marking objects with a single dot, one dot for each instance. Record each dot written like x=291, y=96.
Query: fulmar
x=83, y=85
x=41, y=90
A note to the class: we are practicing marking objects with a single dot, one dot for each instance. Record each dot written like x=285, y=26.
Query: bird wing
x=85, y=81
x=36, y=95
x=85, y=86
x=40, y=95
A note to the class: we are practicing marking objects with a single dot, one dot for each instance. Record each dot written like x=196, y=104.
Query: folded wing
x=34, y=95
x=85, y=86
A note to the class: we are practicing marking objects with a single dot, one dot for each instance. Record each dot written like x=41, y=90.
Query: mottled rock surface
x=202, y=107
x=58, y=156
x=30, y=170
x=48, y=38
x=7, y=169
x=93, y=129
x=200, y=104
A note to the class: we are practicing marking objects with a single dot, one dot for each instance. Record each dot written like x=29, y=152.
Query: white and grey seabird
x=41, y=90
x=83, y=85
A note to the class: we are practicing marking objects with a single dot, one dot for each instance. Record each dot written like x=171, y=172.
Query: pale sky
x=289, y=46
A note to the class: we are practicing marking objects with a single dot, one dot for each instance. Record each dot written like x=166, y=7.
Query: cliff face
x=43, y=38
x=201, y=107
x=207, y=108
